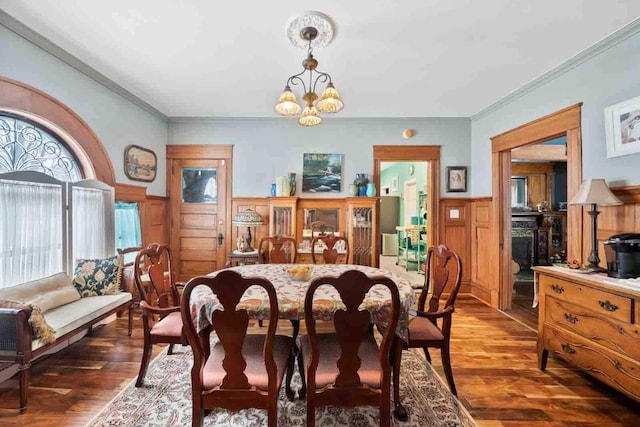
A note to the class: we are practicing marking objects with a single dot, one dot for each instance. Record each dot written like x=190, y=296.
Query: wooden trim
x=552, y=125
x=406, y=153
x=154, y=197
x=18, y=96
x=481, y=199
x=199, y=151
x=552, y=153
x=564, y=122
x=628, y=193
x=130, y=193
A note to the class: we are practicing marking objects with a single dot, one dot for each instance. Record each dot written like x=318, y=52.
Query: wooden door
x=198, y=190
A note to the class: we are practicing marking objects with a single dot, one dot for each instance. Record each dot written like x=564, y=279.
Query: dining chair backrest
x=127, y=271
x=329, y=254
x=160, y=272
x=438, y=270
x=352, y=324
x=278, y=250
x=230, y=326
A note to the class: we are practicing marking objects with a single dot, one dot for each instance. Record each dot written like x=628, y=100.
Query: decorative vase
x=292, y=184
x=361, y=181
x=273, y=189
x=371, y=189
x=353, y=189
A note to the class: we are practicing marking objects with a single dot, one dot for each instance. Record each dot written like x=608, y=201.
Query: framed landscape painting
x=140, y=164
x=321, y=173
x=622, y=125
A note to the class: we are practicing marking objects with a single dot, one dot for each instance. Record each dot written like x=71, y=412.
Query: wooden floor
x=521, y=303
x=493, y=358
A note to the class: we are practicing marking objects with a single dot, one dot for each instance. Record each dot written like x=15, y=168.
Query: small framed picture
x=622, y=123
x=140, y=164
x=394, y=183
x=456, y=179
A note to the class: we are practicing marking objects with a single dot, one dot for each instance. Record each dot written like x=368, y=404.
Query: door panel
x=198, y=210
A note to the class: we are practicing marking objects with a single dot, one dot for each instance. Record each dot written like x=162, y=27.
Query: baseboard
x=481, y=292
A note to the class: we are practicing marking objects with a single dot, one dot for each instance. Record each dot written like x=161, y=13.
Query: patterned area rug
x=165, y=400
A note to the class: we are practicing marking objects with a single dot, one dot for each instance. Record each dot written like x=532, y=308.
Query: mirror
x=519, y=191
x=318, y=221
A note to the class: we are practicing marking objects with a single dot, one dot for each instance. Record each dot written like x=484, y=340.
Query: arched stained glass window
x=25, y=146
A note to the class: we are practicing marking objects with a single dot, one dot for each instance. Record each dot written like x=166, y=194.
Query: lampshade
x=288, y=104
x=247, y=218
x=330, y=101
x=595, y=191
x=309, y=116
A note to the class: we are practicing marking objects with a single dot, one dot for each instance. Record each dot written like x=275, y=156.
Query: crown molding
x=591, y=52
x=53, y=49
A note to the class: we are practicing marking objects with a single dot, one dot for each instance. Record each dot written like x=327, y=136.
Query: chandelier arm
x=322, y=78
x=296, y=79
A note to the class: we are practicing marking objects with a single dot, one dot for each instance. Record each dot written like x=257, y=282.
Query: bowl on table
x=299, y=272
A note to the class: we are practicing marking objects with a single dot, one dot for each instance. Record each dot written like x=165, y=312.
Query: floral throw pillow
x=94, y=277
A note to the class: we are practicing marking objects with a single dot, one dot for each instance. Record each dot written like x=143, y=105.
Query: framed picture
x=140, y=164
x=622, y=125
x=321, y=173
x=456, y=179
x=394, y=183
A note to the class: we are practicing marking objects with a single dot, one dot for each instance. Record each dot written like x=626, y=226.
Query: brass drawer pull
x=571, y=318
x=607, y=305
x=567, y=348
x=557, y=289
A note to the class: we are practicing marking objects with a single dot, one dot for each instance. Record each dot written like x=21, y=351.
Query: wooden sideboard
x=592, y=324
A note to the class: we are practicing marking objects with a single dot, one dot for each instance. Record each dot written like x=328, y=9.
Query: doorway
x=408, y=179
x=199, y=187
x=564, y=123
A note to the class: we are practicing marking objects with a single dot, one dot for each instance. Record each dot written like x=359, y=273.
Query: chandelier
x=309, y=30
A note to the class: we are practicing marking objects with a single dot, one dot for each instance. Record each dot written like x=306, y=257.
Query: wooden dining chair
x=241, y=370
x=329, y=254
x=162, y=300
x=278, y=250
x=347, y=368
x=424, y=331
x=128, y=280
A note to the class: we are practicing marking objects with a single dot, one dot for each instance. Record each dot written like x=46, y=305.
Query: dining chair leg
x=290, y=367
x=399, y=412
x=260, y=323
x=146, y=356
x=130, y=319
x=296, y=328
x=427, y=355
x=170, y=351
x=272, y=411
x=446, y=365
x=196, y=412
x=311, y=414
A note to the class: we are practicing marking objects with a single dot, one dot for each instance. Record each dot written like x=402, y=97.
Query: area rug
x=165, y=400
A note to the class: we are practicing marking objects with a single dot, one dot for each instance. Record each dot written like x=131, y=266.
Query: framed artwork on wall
x=456, y=179
x=321, y=173
x=394, y=183
x=140, y=164
x=622, y=125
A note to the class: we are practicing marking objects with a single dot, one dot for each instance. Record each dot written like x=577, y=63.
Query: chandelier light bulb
x=310, y=116
x=288, y=104
x=330, y=101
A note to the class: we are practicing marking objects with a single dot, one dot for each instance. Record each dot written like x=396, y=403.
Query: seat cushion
x=46, y=293
x=71, y=316
x=422, y=329
x=169, y=326
x=255, y=371
x=370, y=370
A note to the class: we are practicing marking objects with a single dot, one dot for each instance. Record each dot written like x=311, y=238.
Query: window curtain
x=128, y=232
x=89, y=223
x=31, y=244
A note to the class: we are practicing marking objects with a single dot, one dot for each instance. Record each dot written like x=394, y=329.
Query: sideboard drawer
x=614, y=306
x=607, y=366
x=617, y=336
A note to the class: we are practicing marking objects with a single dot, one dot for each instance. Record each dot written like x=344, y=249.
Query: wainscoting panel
x=454, y=231
x=482, y=249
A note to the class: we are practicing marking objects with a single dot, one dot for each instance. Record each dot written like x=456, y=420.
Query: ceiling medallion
x=314, y=29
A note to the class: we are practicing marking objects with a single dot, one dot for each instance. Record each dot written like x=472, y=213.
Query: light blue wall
x=606, y=79
x=271, y=147
x=401, y=170
x=117, y=121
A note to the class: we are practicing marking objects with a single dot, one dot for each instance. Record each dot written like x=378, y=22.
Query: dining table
x=291, y=295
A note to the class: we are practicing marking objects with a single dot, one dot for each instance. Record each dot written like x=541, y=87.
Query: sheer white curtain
x=92, y=213
x=31, y=228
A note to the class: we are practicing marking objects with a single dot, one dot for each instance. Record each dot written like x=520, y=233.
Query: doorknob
x=220, y=235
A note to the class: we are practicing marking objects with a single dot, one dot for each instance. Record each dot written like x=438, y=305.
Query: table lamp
x=594, y=192
x=248, y=218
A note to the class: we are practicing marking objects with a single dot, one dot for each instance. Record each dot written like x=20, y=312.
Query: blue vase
x=371, y=189
x=273, y=190
x=362, y=191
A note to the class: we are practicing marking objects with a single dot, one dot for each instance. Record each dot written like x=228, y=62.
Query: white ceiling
x=411, y=58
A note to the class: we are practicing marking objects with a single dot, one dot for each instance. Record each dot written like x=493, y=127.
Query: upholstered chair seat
x=256, y=372
x=422, y=329
x=370, y=370
x=169, y=326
